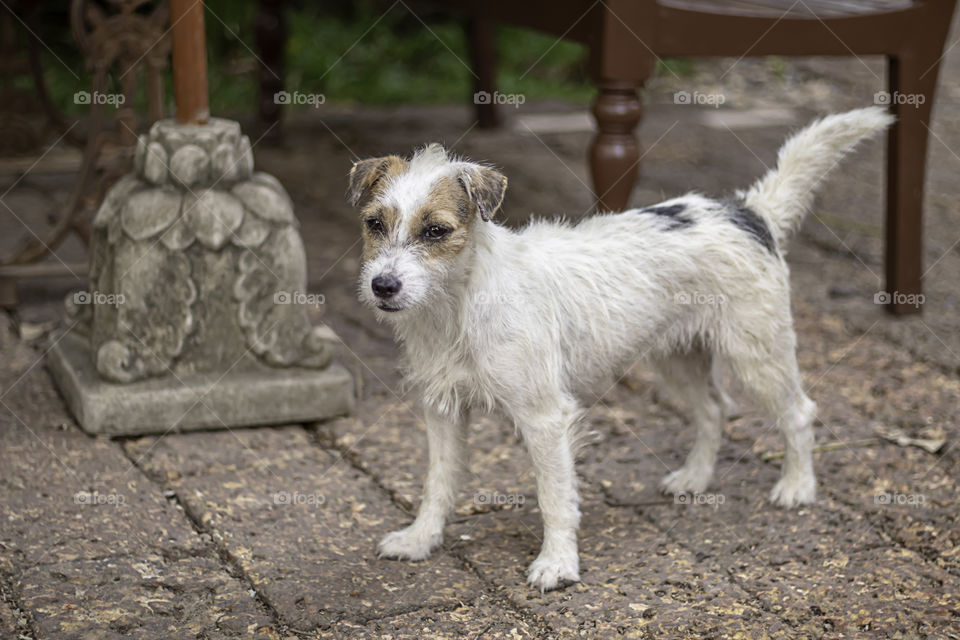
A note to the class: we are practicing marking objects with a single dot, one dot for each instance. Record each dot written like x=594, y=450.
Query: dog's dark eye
x=374, y=224
x=435, y=232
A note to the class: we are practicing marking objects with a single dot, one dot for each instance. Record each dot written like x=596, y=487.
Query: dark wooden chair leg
x=615, y=152
x=270, y=28
x=912, y=83
x=480, y=38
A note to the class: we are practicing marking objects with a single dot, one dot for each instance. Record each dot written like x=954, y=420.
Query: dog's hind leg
x=770, y=373
x=548, y=433
x=446, y=439
x=691, y=384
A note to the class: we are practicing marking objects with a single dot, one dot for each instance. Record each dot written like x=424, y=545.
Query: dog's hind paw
x=794, y=491
x=552, y=571
x=685, y=480
x=408, y=544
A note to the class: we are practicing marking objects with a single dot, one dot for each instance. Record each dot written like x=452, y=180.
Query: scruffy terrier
x=523, y=322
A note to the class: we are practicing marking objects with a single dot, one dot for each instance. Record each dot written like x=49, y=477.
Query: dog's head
x=418, y=217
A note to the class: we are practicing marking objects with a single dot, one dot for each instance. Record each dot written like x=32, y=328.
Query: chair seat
x=790, y=9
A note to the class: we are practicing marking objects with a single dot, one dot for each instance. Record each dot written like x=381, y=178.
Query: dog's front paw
x=550, y=571
x=792, y=491
x=411, y=543
x=686, y=480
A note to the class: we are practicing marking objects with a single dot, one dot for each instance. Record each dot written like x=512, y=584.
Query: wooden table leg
x=615, y=152
x=190, y=90
x=906, y=169
x=481, y=34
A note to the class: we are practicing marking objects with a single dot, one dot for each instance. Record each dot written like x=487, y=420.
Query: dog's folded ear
x=364, y=175
x=485, y=187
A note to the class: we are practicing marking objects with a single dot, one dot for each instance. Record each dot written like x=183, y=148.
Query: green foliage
x=680, y=67
x=368, y=52
x=374, y=57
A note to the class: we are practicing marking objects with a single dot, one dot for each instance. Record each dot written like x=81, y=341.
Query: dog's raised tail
x=785, y=194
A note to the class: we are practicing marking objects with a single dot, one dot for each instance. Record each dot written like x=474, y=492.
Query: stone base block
x=201, y=401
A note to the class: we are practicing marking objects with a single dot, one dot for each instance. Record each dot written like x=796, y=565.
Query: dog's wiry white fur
x=523, y=322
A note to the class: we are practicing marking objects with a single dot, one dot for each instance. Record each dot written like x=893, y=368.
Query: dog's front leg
x=548, y=439
x=446, y=440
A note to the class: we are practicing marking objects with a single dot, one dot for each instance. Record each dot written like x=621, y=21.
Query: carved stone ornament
x=195, y=248
x=197, y=269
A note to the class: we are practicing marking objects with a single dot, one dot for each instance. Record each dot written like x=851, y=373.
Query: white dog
x=524, y=321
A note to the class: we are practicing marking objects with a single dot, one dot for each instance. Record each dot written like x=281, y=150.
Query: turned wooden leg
x=906, y=164
x=615, y=152
x=480, y=37
x=270, y=27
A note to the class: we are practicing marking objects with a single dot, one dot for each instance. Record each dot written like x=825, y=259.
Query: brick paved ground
x=191, y=542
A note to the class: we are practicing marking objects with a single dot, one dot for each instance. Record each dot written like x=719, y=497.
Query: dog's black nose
x=385, y=286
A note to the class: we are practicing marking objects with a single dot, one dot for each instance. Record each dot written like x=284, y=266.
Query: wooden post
x=189, y=62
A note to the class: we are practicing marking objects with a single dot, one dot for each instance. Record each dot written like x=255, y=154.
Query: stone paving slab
x=172, y=457
x=144, y=597
x=102, y=505
x=36, y=457
x=756, y=533
x=389, y=441
x=907, y=494
x=479, y=619
x=126, y=517
x=636, y=581
x=890, y=594
x=305, y=533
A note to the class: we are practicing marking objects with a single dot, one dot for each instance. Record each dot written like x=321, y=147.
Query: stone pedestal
x=196, y=316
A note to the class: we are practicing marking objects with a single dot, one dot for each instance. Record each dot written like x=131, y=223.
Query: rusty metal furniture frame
x=128, y=41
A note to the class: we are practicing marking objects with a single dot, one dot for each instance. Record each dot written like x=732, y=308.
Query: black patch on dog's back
x=750, y=221
x=673, y=213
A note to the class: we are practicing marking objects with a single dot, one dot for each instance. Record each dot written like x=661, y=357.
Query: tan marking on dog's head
x=379, y=221
x=367, y=174
x=454, y=193
x=447, y=209
x=367, y=179
x=485, y=187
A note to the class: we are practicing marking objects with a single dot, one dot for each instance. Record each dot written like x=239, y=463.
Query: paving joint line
x=495, y=591
x=227, y=562
x=327, y=442
x=877, y=522
x=10, y=596
x=760, y=601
